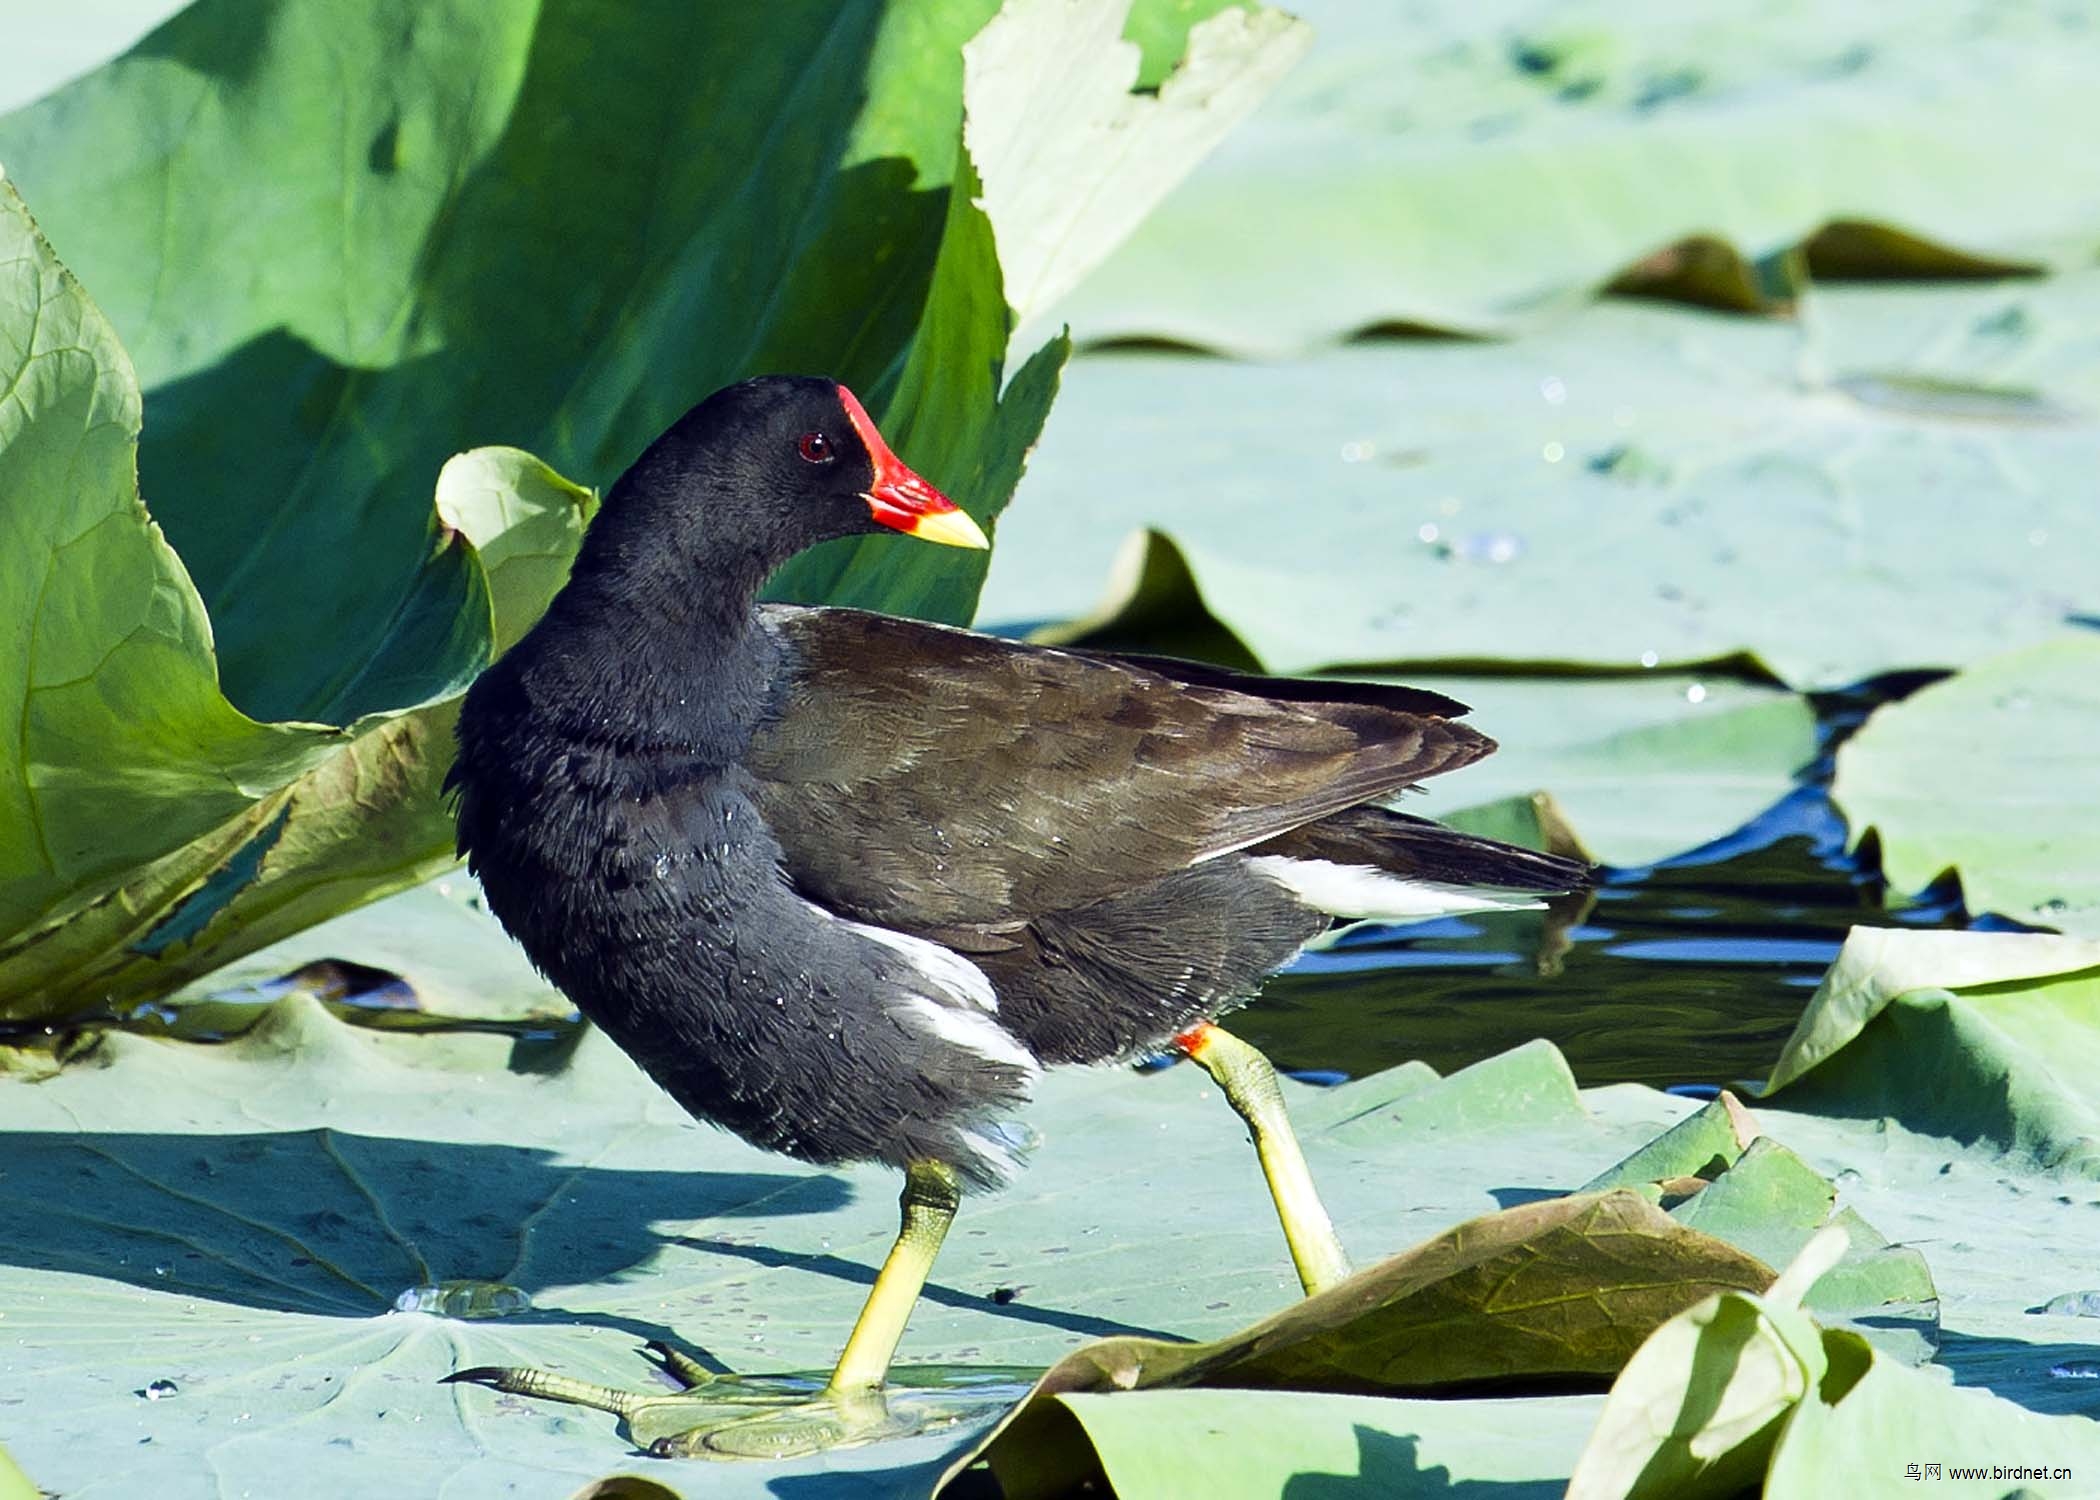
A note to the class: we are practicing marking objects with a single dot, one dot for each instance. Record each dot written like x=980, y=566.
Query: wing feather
x=922, y=776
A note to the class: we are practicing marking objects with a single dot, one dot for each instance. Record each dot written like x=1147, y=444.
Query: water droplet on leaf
x=466, y=1300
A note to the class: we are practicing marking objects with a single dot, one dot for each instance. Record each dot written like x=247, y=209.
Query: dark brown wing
x=921, y=777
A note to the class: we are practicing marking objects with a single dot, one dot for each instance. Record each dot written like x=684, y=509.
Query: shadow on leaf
x=336, y=1224
x=1389, y=1466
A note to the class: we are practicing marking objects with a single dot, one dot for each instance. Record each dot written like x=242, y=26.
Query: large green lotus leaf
x=1631, y=487
x=172, y=832
x=1865, y=1440
x=1546, y=1291
x=1464, y=165
x=500, y=222
x=1758, y=1194
x=1060, y=159
x=517, y=222
x=1978, y=1036
x=1694, y=1414
x=85, y=35
x=1743, y=1388
x=1640, y=768
x=141, y=802
x=1257, y=1445
x=162, y=833
x=1773, y=1203
x=1046, y=124
x=363, y=823
x=1991, y=774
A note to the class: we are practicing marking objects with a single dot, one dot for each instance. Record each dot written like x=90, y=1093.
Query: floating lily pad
x=1167, y=1444
x=1991, y=774
x=1759, y=1195
x=1630, y=488
x=1700, y=1146
x=258, y=1208
x=1544, y=1292
x=1639, y=768
x=1773, y=1203
x=1696, y=1411
x=1460, y=166
x=1972, y=1035
x=1866, y=1437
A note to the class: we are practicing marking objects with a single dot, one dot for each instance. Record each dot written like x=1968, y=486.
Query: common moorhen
x=843, y=883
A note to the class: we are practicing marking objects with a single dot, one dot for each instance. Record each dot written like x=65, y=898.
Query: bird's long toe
x=520, y=1380
x=682, y=1367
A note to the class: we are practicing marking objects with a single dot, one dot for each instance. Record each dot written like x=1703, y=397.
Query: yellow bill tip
x=951, y=528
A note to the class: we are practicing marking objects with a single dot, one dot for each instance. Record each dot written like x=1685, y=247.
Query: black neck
x=659, y=654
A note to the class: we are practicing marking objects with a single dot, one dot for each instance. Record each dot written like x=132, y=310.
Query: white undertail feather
x=1367, y=891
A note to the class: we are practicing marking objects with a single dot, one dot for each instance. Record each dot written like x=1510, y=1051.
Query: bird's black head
x=756, y=473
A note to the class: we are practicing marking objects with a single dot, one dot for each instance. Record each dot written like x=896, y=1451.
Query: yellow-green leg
x=1251, y=1088
x=849, y=1409
x=927, y=1207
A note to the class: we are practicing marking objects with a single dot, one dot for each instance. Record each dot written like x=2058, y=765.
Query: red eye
x=814, y=447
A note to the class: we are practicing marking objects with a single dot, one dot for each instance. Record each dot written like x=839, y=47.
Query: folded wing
x=1006, y=781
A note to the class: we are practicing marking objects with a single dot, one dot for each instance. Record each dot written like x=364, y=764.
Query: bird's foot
x=765, y=1416
x=791, y=1428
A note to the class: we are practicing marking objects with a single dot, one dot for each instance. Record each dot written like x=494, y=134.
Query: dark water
x=1691, y=971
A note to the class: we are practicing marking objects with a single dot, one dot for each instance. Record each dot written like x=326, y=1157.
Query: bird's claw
x=517, y=1380
x=679, y=1365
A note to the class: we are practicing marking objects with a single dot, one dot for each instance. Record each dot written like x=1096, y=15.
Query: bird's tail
x=1373, y=862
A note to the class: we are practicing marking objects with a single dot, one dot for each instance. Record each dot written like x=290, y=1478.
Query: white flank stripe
x=971, y=1030
x=946, y=969
x=1366, y=891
